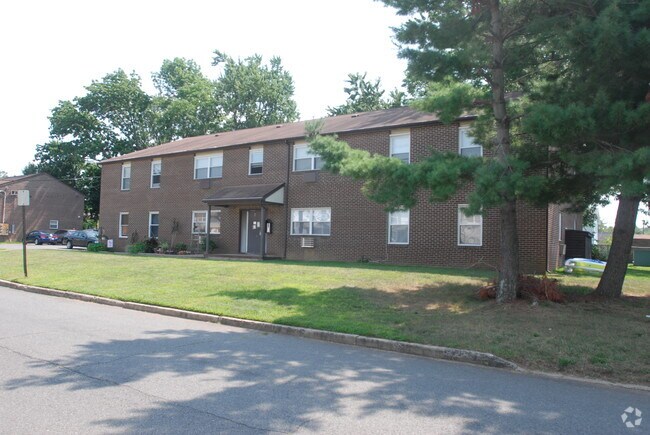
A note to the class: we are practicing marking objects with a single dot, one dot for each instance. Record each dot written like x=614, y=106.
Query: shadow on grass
x=364, y=311
x=478, y=273
x=229, y=381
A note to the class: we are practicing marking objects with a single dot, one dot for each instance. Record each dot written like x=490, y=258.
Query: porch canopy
x=272, y=194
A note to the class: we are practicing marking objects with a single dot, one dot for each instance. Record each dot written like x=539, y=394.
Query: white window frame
x=560, y=225
x=312, y=156
x=123, y=177
x=205, y=215
x=120, y=225
x=311, y=221
x=399, y=134
x=251, y=152
x=153, y=164
x=459, y=224
x=463, y=131
x=218, y=156
x=408, y=231
x=54, y=226
x=151, y=214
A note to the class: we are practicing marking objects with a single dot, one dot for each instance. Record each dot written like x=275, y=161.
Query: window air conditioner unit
x=307, y=242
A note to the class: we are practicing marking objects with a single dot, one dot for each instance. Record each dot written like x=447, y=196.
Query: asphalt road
x=75, y=367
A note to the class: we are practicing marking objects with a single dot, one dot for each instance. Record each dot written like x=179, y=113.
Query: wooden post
x=263, y=234
x=207, y=231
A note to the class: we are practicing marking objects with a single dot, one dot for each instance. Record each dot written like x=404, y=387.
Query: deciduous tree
x=253, y=94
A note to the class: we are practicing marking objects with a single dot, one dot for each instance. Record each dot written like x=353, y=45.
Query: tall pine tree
x=594, y=109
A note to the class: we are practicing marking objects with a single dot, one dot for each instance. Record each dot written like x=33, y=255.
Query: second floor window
x=255, y=160
x=400, y=146
x=466, y=145
x=156, y=169
x=126, y=176
x=304, y=159
x=208, y=166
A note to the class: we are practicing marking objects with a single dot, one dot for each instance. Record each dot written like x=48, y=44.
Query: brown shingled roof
x=8, y=180
x=398, y=117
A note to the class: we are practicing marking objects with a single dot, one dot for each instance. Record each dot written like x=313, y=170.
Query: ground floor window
x=154, y=224
x=311, y=221
x=470, y=228
x=200, y=221
x=54, y=224
x=123, y=231
x=398, y=227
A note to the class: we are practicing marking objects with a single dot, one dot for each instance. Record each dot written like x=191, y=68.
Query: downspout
x=287, y=224
x=4, y=201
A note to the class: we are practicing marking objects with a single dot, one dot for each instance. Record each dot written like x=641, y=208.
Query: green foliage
x=150, y=245
x=180, y=247
x=116, y=116
x=213, y=245
x=365, y=96
x=253, y=94
x=97, y=247
x=186, y=105
x=136, y=248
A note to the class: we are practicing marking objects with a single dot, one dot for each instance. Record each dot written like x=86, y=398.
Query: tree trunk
x=611, y=283
x=509, y=246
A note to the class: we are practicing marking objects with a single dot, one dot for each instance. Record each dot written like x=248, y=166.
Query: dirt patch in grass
x=585, y=337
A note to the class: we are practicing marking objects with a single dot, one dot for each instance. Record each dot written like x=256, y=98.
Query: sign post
x=23, y=201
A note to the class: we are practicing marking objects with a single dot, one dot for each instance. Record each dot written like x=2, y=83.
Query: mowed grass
x=604, y=339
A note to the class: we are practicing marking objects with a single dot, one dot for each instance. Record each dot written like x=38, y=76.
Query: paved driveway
x=30, y=246
x=70, y=366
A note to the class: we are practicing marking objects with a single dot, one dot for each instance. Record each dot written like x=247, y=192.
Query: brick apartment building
x=262, y=187
x=53, y=205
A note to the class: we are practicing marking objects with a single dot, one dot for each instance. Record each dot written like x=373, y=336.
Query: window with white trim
x=126, y=176
x=154, y=224
x=199, y=221
x=255, y=160
x=400, y=145
x=470, y=228
x=398, y=227
x=123, y=230
x=208, y=166
x=466, y=145
x=156, y=169
x=311, y=221
x=304, y=159
x=54, y=224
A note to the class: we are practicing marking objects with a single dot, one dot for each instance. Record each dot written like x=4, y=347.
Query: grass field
x=604, y=339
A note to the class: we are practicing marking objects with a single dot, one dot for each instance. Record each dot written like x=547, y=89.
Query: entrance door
x=251, y=231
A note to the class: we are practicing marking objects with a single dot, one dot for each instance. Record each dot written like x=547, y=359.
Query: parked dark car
x=39, y=237
x=82, y=238
x=63, y=236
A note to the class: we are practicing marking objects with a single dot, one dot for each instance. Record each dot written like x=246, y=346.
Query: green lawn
x=425, y=305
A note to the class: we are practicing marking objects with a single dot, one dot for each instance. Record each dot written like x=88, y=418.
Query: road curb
x=437, y=352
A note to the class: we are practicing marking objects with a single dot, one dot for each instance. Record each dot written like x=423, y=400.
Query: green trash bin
x=641, y=255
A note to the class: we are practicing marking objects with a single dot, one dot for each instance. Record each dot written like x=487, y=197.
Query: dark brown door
x=254, y=231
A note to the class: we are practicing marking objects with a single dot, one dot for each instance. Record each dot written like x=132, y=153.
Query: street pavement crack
x=144, y=393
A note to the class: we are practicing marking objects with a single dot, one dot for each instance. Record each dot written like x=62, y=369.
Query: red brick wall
x=359, y=226
x=50, y=199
